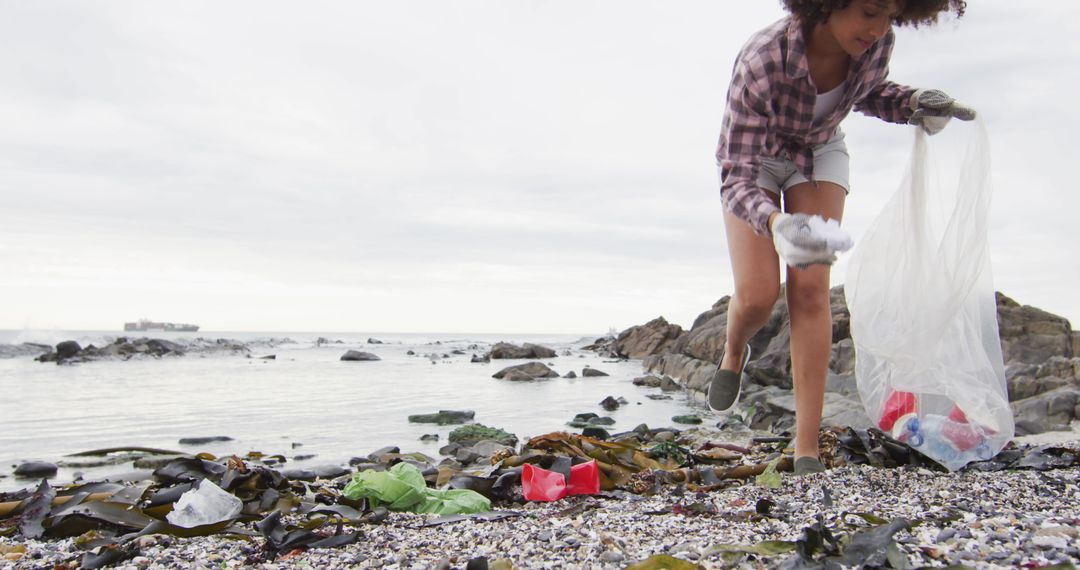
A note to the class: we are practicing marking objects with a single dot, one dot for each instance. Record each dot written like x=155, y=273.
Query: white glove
x=803, y=240
x=934, y=108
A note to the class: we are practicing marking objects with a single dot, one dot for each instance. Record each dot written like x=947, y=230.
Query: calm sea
x=307, y=401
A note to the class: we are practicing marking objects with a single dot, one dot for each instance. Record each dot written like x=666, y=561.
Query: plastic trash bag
x=402, y=488
x=928, y=361
x=203, y=505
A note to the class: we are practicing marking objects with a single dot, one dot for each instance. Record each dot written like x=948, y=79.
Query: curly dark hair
x=913, y=12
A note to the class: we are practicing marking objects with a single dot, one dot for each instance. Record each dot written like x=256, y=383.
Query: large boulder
x=1031, y=335
x=1050, y=411
x=650, y=338
x=505, y=350
x=1027, y=380
x=527, y=371
x=67, y=349
x=358, y=356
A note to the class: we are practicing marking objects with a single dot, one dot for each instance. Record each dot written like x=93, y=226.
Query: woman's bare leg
x=756, y=270
x=811, y=318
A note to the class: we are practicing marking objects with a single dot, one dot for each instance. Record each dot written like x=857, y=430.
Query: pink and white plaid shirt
x=770, y=111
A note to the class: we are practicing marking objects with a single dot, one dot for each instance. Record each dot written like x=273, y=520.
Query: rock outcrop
x=650, y=338
x=1039, y=348
x=505, y=350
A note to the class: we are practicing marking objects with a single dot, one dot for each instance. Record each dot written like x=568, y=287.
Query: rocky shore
x=852, y=515
x=672, y=497
x=1040, y=349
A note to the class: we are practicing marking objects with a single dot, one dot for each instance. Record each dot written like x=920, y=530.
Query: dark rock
x=160, y=347
x=584, y=418
x=457, y=352
x=596, y=432
x=374, y=341
x=303, y=457
x=36, y=469
x=602, y=421
x=357, y=356
x=268, y=357
x=444, y=417
x=686, y=419
x=429, y=437
x=466, y=455
x=641, y=429
x=388, y=450
x=505, y=350
x=531, y=370
x=67, y=349
x=1050, y=411
x=658, y=396
x=480, y=359
x=410, y=352
x=664, y=435
x=486, y=448
x=570, y=374
x=668, y=384
x=362, y=463
x=610, y=404
x=649, y=381
x=592, y=372
x=645, y=340
x=203, y=440
x=473, y=433
x=604, y=346
x=300, y=474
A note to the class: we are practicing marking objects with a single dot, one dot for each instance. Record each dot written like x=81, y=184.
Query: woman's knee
x=757, y=302
x=808, y=295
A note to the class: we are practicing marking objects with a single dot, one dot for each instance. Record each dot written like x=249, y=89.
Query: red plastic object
x=962, y=435
x=898, y=404
x=584, y=479
x=958, y=415
x=540, y=484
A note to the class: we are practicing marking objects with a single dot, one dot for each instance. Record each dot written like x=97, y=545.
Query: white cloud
x=517, y=166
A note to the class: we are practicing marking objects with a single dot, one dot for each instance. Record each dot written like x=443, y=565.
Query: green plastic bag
x=403, y=488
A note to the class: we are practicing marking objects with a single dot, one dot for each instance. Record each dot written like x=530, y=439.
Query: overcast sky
x=453, y=166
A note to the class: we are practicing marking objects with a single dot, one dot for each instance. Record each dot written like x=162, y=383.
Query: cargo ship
x=148, y=325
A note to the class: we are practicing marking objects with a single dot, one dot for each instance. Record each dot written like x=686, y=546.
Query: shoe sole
x=735, y=402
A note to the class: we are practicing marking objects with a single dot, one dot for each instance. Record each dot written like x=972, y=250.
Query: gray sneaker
x=723, y=393
x=807, y=465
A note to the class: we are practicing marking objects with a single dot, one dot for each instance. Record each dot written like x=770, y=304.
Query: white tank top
x=826, y=102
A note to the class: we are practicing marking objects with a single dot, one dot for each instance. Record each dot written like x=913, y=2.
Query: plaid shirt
x=770, y=112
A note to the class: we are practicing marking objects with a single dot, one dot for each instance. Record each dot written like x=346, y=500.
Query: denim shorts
x=831, y=164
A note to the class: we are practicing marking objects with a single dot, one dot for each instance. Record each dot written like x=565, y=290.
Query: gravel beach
x=1005, y=519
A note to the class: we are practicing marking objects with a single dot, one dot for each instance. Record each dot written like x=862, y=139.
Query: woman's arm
x=739, y=155
x=888, y=101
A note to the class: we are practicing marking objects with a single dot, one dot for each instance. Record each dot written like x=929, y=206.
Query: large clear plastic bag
x=920, y=291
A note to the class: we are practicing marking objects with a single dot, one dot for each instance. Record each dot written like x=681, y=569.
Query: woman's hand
x=803, y=240
x=934, y=108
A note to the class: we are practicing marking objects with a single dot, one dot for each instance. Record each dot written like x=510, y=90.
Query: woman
x=784, y=170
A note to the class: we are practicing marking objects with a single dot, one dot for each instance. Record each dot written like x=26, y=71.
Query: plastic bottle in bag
x=950, y=442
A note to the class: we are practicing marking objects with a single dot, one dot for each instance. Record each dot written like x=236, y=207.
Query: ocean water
x=307, y=401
